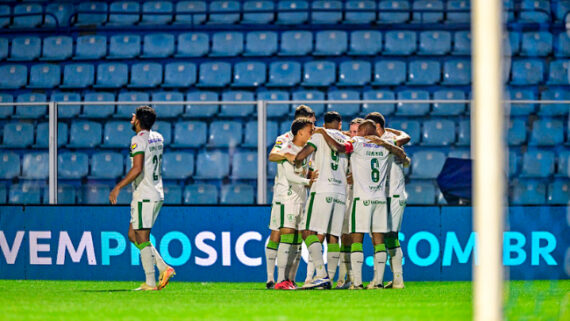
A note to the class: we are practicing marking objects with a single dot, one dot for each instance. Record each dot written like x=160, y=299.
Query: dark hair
x=146, y=116
x=299, y=124
x=356, y=121
x=369, y=125
x=377, y=118
x=304, y=111
x=332, y=116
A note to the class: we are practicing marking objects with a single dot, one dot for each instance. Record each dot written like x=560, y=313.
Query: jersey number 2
x=156, y=173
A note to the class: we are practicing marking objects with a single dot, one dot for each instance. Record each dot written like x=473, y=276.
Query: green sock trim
x=345, y=248
x=333, y=247
x=287, y=238
x=392, y=243
x=379, y=248
x=356, y=247
x=142, y=245
x=272, y=245
x=298, y=239
x=311, y=239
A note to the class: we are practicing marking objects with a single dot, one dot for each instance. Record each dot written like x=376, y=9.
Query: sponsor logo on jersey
x=134, y=146
x=366, y=203
x=329, y=199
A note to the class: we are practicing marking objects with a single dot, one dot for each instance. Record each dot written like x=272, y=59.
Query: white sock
x=160, y=264
x=332, y=262
x=296, y=248
x=356, y=260
x=282, y=259
x=316, y=253
x=270, y=257
x=148, y=265
x=396, y=256
x=310, y=269
x=379, y=266
x=343, y=266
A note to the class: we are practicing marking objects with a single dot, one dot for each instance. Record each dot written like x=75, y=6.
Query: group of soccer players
x=356, y=187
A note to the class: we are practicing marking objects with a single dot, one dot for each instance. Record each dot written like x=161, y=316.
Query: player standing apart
x=148, y=195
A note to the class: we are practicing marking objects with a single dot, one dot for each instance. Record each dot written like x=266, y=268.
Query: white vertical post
x=489, y=176
x=52, y=152
x=261, y=152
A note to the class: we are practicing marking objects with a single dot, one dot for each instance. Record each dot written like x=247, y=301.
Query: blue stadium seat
x=215, y=74
x=34, y=111
x=126, y=110
x=78, y=75
x=275, y=110
x=296, y=43
x=3, y=194
x=158, y=45
x=389, y=72
x=229, y=110
x=212, y=164
x=354, y=73
x=428, y=17
x=427, y=164
x=225, y=134
x=124, y=46
x=124, y=13
x=237, y=194
x=35, y=165
x=201, y=110
x=27, y=15
x=458, y=11
x=561, y=8
x=250, y=137
x=411, y=127
x=535, y=11
x=400, y=43
x=165, y=129
x=309, y=95
x=462, y=43
x=512, y=43
x=463, y=133
x=222, y=11
x=558, y=192
x=190, y=12
x=330, y=43
x=168, y=111
x=284, y=127
x=24, y=193
x=157, y=12
x=62, y=13
x=559, y=72
x=536, y=44
x=260, y=43
x=117, y=134
x=87, y=16
x=145, y=75
x=438, y=132
x=528, y=192
x=26, y=48
x=448, y=109
x=421, y=193
x=537, y=163
x=42, y=135
x=5, y=11
x=67, y=111
x=72, y=165
x=190, y=134
x=516, y=134
x=85, y=134
x=6, y=111
x=106, y=165
x=365, y=11
x=460, y=153
x=547, y=132
x=284, y=74
x=93, y=194
x=344, y=109
x=57, y=48
x=177, y=165
x=323, y=12
x=112, y=75
x=319, y=73
x=527, y=72
x=554, y=109
x=250, y=14
x=98, y=111
x=66, y=194
x=436, y=43
x=10, y=165
x=384, y=109
x=4, y=46
x=562, y=45
x=179, y=74
x=249, y=74
x=200, y=194
x=509, y=10
x=457, y=72
x=387, y=13
x=564, y=163
x=44, y=76
x=244, y=165
x=193, y=44
x=424, y=72
x=227, y=44
x=521, y=94
x=90, y=47
x=299, y=16
x=18, y=135
x=513, y=162
x=365, y=42
x=172, y=194
x=416, y=109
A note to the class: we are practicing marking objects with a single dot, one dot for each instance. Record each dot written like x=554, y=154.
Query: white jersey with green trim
x=148, y=185
x=290, y=182
x=396, y=182
x=282, y=141
x=369, y=165
x=331, y=165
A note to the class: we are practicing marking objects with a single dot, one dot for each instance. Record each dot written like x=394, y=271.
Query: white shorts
x=346, y=221
x=368, y=216
x=285, y=214
x=144, y=213
x=324, y=213
x=397, y=204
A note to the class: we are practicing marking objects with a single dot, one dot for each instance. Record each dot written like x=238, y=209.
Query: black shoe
x=269, y=285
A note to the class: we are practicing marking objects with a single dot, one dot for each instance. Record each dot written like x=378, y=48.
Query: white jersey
x=396, y=183
x=290, y=182
x=148, y=185
x=282, y=141
x=331, y=165
x=369, y=165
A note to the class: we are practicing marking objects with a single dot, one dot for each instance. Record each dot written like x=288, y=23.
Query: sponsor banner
x=223, y=243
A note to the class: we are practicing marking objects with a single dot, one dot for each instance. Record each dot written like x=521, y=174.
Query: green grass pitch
x=78, y=300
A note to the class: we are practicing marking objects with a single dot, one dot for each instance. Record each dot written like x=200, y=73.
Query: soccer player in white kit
x=324, y=211
x=369, y=164
x=146, y=177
